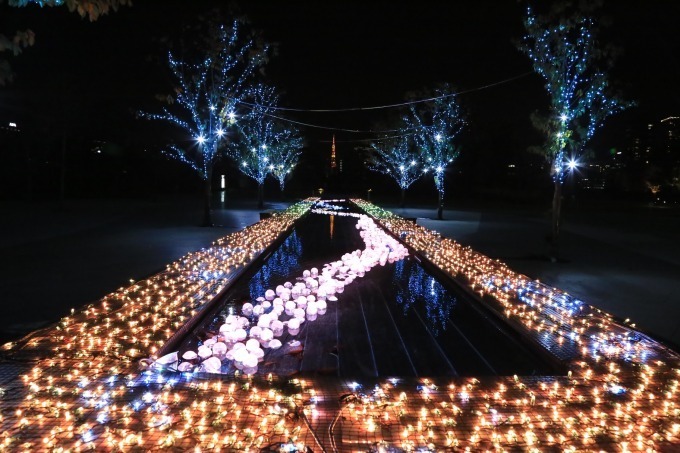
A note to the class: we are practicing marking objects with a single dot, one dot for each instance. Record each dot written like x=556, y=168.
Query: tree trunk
x=556, y=212
x=260, y=196
x=207, y=195
x=402, y=203
x=440, y=206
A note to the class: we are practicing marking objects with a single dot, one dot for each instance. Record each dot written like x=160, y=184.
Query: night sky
x=337, y=54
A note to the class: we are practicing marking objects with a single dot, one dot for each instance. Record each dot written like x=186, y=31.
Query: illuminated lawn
x=85, y=385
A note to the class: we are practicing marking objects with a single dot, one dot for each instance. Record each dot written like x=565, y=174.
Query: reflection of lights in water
x=280, y=265
x=424, y=288
x=332, y=225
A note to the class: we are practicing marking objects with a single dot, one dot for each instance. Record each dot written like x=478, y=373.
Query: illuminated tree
x=565, y=53
x=286, y=161
x=264, y=143
x=398, y=160
x=434, y=126
x=21, y=39
x=206, y=95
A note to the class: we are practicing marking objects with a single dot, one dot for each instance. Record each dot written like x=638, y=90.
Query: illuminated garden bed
x=86, y=387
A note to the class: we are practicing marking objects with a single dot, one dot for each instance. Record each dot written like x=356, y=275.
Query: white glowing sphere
x=255, y=331
x=301, y=302
x=219, y=349
x=240, y=334
x=264, y=320
x=189, y=355
x=185, y=367
x=277, y=328
x=267, y=335
x=212, y=365
x=258, y=353
x=294, y=324
x=240, y=353
x=250, y=361
x=252, y=344
x=275, y=344
x=247, y=309
x=269, y=294
x=249, y=371
x=167, y=359
x=204, y=352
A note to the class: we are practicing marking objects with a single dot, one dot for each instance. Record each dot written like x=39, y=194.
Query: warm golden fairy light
x=89, y=389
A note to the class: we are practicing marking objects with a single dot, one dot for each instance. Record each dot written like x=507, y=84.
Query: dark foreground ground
x=624, y=259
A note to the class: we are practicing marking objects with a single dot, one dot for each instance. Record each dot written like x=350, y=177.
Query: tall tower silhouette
x=333, y=163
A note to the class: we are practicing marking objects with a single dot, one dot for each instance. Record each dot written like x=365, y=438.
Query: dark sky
x=336, y=54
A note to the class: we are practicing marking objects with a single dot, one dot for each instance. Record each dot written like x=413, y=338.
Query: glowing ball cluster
x=242, y=340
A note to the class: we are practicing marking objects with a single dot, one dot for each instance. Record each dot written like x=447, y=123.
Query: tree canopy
x=20, y=39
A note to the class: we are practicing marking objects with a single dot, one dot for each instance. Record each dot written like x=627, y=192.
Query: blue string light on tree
x=566, y=55
x=435, y=126
x=205, y=97
x=397, y=159
x=265, y=146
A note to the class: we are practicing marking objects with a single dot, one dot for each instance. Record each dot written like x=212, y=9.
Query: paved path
x=54, y=260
